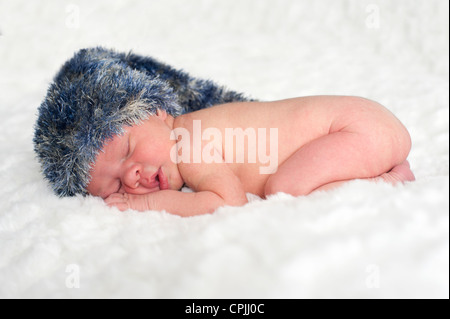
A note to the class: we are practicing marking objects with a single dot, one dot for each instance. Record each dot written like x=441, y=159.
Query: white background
x=362, y=240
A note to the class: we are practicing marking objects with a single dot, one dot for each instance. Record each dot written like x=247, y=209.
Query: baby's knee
x=396, y=135
x=276, y=184
x=385, y=132
x=403, y=143
x=272, y=187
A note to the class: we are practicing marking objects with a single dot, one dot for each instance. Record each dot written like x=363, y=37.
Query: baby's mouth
x=153, y=183
x=162, y=180
x=158, y=181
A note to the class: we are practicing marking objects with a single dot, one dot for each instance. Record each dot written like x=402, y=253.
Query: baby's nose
x=132, y=176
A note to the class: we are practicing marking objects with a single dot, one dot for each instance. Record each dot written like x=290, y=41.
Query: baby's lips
x=151, y=182
x=163, y=182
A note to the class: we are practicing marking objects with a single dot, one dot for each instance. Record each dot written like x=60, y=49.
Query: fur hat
x=97, y=93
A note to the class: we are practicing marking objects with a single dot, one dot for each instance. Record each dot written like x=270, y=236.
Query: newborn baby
x=295, y=146
x=134, y=131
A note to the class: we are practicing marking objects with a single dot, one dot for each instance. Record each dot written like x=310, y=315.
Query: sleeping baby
x=319, y=143
x=134, y=131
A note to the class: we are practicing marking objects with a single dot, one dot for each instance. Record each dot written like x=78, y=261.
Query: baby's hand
x=125, y=201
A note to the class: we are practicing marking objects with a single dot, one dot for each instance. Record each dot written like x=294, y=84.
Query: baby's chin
x=176, y=183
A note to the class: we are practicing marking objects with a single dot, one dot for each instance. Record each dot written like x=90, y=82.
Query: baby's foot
x=400, y=173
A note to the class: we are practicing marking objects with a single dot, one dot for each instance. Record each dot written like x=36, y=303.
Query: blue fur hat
x=97, y=93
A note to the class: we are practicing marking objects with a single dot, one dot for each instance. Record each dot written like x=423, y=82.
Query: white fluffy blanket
x=362, y=240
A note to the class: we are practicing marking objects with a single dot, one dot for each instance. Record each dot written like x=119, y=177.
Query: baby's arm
x=215, y=185
x=174, y=202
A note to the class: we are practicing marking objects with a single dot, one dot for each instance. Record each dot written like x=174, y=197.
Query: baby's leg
x=399, y=174
x=366, y=143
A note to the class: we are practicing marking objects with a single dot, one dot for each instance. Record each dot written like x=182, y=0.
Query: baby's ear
x=161, y=114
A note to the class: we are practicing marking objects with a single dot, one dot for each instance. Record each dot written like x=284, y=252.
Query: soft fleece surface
x=362, y=240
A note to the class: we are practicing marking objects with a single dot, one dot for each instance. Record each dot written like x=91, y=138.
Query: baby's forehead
x=116, y=140
x=111, y=146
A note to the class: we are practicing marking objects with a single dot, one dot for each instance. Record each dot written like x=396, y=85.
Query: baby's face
x=137, y=162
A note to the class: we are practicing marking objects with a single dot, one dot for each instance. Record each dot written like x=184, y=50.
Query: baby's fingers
x=118, y=200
